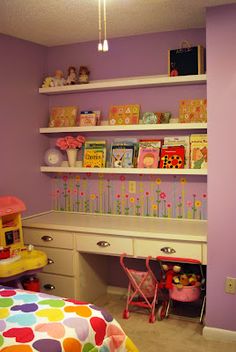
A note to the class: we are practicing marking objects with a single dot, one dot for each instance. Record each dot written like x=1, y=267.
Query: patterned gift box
x=193, y=110
x=124, y=114
x=63, y=116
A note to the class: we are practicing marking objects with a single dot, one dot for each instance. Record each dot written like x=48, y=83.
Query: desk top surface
x=121, y=225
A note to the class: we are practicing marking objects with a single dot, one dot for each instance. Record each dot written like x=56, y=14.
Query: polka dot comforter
x=36, y=322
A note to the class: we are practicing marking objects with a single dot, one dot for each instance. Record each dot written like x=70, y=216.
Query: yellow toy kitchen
x=17, y=261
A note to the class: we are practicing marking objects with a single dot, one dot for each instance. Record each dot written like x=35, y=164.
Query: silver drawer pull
x=50, y=261
x=49, y=287
x=168, y=250
x=103, y=244
x=47, y=238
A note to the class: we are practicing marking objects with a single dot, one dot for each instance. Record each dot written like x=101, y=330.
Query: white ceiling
x=56, y=22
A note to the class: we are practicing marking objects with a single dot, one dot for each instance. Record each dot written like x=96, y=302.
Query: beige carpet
x=169, y=335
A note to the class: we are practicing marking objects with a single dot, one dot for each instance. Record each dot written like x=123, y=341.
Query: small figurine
x=72, y=77
x=58, y=79
x=83, y=75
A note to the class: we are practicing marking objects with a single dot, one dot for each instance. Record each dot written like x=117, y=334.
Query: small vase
x=72, y=156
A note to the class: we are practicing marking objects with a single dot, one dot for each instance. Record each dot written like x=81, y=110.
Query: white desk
x=72, y=242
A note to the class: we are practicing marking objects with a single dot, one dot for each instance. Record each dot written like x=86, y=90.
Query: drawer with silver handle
x=60, y=261
x=48, y=238
x=57, y=285
x=143, y=248
x=104, y=244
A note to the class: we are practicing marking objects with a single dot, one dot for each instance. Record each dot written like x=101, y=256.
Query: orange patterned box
x=193, y=110
x=124, y=114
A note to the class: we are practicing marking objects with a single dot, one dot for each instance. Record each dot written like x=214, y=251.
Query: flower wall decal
x=165, y=197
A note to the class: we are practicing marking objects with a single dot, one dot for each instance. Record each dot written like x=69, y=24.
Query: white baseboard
x=219, y=334
x=115, y=290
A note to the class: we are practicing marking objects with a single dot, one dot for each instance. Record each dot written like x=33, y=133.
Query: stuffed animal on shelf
x=48, y=82
x=170, y=272
x=83, y=75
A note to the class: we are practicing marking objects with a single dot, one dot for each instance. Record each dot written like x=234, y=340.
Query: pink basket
x=185, y=294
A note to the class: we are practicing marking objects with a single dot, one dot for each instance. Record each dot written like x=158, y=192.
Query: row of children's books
x=173, y=152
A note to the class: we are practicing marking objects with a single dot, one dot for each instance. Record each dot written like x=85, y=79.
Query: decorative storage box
x=193, y=110
x=124, y=114
x=186, y=61
x=89, y=118
x=63, y=116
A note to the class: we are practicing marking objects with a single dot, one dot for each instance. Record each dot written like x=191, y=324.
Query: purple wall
x=221, y=88
x=23, y=111
x=131, y=56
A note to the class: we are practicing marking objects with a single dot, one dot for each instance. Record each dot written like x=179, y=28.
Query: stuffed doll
x=58, y=79
x=170, y=272
x=83, y=75
x=72, y=77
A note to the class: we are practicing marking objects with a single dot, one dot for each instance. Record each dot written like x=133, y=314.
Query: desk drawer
x=57, y=285
x=144, y=248
x=60, y=261
x=103, y=244
x=48, y=238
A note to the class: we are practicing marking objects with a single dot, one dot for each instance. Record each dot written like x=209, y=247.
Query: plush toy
x=184, y=281
x=48, y=82
x=170, y=272
x=194, y=280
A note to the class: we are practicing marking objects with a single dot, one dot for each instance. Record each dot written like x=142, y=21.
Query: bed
x=37, y=322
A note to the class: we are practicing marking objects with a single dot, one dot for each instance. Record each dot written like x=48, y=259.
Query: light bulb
x=100, y=48
x=105, y=45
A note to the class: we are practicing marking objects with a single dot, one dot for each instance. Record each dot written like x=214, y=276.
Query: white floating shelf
x=126, y=83
x=141, y=127
x=124, y=171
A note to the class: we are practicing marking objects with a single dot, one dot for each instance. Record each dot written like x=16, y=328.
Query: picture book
x=148, y=157
x=178, y=141
x=172, y=157
x=149, y=153
x=63, y=116
x=199, y=149
x=198, y=138
x=199, y=155
x=193, y=110
x=122, y=155
x=94, y=154
x=124, y=114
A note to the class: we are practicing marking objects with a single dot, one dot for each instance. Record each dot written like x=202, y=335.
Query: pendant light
x=102, y=45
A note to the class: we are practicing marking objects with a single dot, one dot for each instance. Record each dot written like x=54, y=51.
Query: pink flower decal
x=189, y=204
x=65, y=178
x=122, y=178
x=126, y=196
x=204, y=195
x=81, y=193
x=147, y=193
x=162, y=195
x=168, y=205
x=118, y=196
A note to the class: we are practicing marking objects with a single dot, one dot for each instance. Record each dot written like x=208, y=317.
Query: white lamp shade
x=105, y=45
